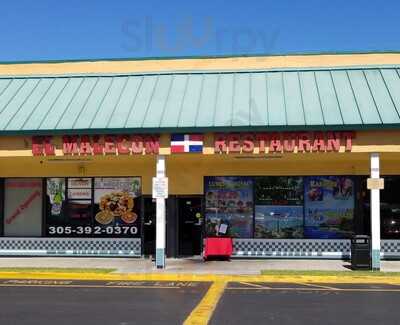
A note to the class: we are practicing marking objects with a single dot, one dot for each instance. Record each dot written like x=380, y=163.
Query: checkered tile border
x=318, y=248
x=279, y=248
x=390, y=248
x=71, y=246
x=285, y=248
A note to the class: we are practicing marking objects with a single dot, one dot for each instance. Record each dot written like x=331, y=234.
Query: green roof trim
x=199, y=130
x=355, y=98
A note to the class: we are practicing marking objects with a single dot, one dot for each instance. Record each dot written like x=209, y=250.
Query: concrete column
x=160, y=218
x=375, y=215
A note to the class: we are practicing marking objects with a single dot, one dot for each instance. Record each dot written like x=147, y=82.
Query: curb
x=202, y=277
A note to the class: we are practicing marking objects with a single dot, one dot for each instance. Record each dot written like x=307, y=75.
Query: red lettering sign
x=109, y=145
x=220, y=143
x=49, y=149
x=248, y=143
x=152, y=144
x=70, y=145
x=123, y=146
x=85, y=147
x=333, y=142
x=98, y=145
x=278, y=142
x=262, y=139
x=289, y=141
x=275, y=142
x=37, y=146
x=137, y=144
x=234, y=143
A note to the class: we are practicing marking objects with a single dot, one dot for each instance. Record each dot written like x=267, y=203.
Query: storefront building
x=275, y=152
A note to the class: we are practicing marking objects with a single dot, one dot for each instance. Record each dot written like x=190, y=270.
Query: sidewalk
x=187, y=265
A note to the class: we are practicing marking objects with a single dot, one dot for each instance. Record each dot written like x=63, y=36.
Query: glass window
x=69, y=206
x=87, y=207
x=23, y=207
x=329, y=207
x=229, y=206
x=279, y=207
x=390, y=208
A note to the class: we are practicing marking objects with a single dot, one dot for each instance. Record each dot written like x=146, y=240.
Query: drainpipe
x=375, y=215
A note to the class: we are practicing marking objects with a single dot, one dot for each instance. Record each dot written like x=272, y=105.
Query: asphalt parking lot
x=29, y=301
x=97, y=302
x=289, y=303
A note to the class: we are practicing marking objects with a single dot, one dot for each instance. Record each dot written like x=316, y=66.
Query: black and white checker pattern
x=71, y=246
x=390, y=248
x=291, y=248
x=269, y=248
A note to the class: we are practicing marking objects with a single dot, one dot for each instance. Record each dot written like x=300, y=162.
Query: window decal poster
x=279, y=221
x=329, y=207
x=56, y=194
x=279, y=207
x=23, y=207
x=117, y=203
x=229, y=206
x=279, y=190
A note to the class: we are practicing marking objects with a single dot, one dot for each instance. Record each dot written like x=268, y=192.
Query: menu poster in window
x=23, y=207
x=229, y=201
x=117, y=204
x=281, y=190
x=329, y=207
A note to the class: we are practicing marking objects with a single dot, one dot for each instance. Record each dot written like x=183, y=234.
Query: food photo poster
x=229, y=202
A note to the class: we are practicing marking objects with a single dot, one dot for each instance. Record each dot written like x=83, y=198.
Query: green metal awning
x=319, y=99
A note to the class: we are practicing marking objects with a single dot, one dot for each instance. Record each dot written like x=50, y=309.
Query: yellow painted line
x=203, y=277
x=318, y=286
x=204, y=310
x=254, y=285
x=315, y=289
x=87, y=286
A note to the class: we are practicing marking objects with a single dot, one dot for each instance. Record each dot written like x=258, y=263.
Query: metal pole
x=160, y=218
x=375, y=216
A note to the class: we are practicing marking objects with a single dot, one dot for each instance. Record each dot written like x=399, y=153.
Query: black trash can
x=361, y=252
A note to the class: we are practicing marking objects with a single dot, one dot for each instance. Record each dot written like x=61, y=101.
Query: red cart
x=218, y=247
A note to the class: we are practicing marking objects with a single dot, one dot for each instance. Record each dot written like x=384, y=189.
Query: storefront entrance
x=184, y=226
x=149, y=226
x=190, y=225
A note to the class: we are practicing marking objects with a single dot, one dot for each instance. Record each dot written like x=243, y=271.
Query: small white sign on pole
x=160, y=187
x=375, y=184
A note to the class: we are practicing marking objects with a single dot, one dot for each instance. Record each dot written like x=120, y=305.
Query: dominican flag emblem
x=186, y=143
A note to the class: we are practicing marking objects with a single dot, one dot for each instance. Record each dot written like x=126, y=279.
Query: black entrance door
x=149, y=227
x=190, y=225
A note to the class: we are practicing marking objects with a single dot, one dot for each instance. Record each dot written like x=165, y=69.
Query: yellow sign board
x=375, y=183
